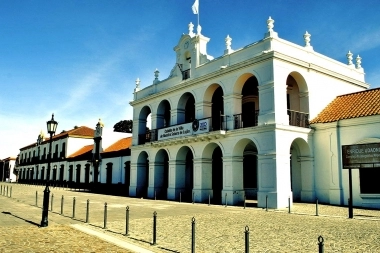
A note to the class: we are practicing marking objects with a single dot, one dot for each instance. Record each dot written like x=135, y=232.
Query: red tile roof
x=82, y=151
x=348, y=106
x=119, y=145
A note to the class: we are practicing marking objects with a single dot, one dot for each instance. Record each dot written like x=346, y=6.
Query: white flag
x=195, y=7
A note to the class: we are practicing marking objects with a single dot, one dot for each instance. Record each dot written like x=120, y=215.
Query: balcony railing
x=300, y=119
x=242, y=121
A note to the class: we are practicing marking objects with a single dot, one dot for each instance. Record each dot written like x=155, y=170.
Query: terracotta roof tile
x=119, y=145
x=353, y=105
x=79, y=131
x=82, y=151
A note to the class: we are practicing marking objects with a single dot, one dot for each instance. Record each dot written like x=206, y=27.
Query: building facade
x=7, y=167
x=235, y=126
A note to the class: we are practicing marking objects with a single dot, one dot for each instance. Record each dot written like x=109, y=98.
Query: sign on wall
x=196, y=127
x=361, y=155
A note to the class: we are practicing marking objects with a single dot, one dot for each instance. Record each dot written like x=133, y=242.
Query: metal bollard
x=320, y=244
x=1, y=190
x=62, y=205
x=154, y=227
x=88, y=211
x=10, y=195
x=316, y=208
x=51, y=203
x=127, y=221
x=193, y=235
x=7, y=191
x=36, y=198
x=289, y=205
x=266, y=203
x=246, y=239
x=245, y=198
x=180, y=196
x=105, y=216
x=155, y=195
x=193, y=197
x=209, y=199
x=226, y=200
x=73, y=207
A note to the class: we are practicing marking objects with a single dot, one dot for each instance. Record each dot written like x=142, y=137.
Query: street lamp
x=51, y=127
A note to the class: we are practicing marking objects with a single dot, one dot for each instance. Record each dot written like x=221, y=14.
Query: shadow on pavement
x=31, y=222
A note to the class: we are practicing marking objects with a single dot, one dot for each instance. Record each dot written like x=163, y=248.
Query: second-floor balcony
x=239, y=121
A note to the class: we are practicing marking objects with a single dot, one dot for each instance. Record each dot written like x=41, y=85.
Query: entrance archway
x=161, y=174
x=186, y=180
x=217, y=175
x=301, y=171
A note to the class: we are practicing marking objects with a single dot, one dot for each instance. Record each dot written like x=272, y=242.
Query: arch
x=301, y=172
x=142, y=174
x=297, y=98
x=214, y=152
x=161, y=173
x=186, y=108
x=163, y=114
x=143, y=131
x=214, y=95
x=185, y=157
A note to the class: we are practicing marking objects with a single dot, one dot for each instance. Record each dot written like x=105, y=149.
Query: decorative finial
x=228, y=42
x=270, y=24
x=100, y=123
x=349, y=58
x=156, y=73
x=191, y=29
x=306, y=37
x=358, y=62
x=228, y=49
x=199, y=29
x=137, y=83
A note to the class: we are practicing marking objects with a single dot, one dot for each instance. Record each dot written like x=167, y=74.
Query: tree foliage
x=124, y=126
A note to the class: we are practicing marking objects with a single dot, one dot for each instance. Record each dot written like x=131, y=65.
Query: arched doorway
x=297, y=100
x=217, y=110
x=163, y=115
x=250, y=103
x=142, y=175
x=186, y=109
x=185, y=170
x=301, y=171
x=217, y=175
x=143, y=130
x=161, y=174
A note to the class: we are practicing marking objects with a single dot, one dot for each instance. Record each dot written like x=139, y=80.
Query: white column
x=202, y=179
x=176, y=178
x=233, y=180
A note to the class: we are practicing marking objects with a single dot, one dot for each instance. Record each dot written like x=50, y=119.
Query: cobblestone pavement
x=218, y=228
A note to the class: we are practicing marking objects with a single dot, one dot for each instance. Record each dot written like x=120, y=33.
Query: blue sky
x=79, y=59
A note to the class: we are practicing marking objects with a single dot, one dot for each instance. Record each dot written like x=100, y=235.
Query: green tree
x=124, y=126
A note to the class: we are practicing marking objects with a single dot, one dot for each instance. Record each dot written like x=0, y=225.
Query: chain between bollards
x=193, y=235
x=62, y=205
x=246, y=239
x=154, y=227
x=51, y=203
x=105, y=216
x=74, y=207
x=127, y=220
x=320, y=244
x=87, y=211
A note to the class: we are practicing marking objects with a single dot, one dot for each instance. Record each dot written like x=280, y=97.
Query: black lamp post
x=51, y=127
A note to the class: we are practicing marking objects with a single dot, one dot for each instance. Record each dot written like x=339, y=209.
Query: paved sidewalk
x=218, y=228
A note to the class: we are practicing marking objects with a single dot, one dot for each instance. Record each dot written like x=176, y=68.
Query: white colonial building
x=237, y=125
